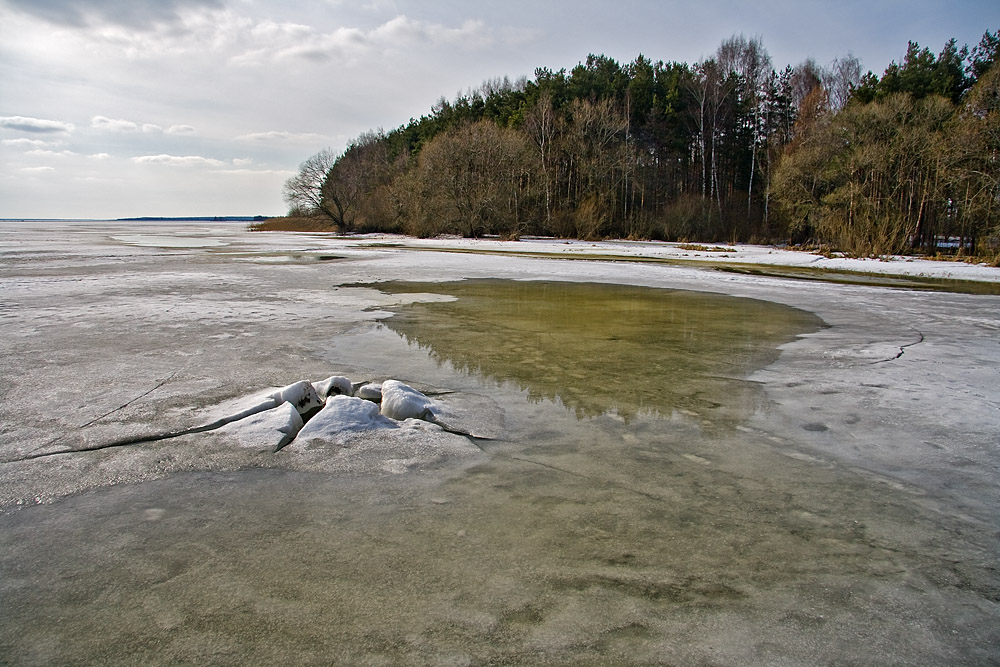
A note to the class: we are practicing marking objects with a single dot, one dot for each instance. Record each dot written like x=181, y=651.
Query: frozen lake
x=716, y=468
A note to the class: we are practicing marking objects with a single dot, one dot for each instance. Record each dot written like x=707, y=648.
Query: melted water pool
x=603, y=349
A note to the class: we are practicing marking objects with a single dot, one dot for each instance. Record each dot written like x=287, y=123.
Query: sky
x=128, y=108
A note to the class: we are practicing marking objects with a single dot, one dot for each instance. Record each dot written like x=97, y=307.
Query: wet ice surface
x=845, y=511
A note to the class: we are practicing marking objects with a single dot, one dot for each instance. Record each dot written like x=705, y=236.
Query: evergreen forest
x=729, y=149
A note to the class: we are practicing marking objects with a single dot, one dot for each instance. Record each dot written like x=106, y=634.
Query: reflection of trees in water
x=600, y=348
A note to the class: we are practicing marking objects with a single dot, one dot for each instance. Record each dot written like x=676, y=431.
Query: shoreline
x=723, y=254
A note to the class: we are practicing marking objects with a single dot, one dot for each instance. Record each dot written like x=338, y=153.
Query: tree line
x=728, y=149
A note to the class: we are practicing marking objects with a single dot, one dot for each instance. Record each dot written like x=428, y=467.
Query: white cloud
x=292, y=41
x=36, y=125
x=106, y=124
x=180, y=129
x=42, y=152
x=472, y=33
x=113, y=124
x=99, y=156
x=32, y=143
x=178, y=160
x=272, y=31
x=281, y=136
x=37, y=170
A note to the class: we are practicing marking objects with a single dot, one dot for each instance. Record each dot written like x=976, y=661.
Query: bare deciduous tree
x=710, y=88
x=749, y=60
x=806, y=77
x=840, y=79
x=471, y=178
x=540, y=124
x=305, y=191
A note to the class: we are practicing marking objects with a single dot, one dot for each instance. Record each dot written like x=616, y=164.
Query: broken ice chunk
x=335, y=385
x=267, y=430
x=302, y=395
x=344, y=414
x=370, y=392
x=401, y=401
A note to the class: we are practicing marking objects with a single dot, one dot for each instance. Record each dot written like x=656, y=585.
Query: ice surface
x=851, y=520
x=165, y=241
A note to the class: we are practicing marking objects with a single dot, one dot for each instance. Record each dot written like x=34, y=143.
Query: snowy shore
x=701, y=253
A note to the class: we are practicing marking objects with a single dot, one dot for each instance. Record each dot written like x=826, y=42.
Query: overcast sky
x=120, y=108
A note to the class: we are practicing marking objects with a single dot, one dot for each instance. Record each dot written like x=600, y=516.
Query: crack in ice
x=394, y=402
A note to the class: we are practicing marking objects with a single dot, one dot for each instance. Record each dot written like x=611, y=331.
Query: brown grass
x=704, y=248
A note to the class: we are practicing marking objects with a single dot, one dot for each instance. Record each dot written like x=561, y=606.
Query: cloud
x=41, y=152
x=99, y=156
x=178, y=160
x=32, y=143
x=113, y=124
x=281, y=136
x=121, y=125
x=36, y=125
x=37, y=170
x=404, y=29
x=135, y=14
x=291, y=41
x=180, y=129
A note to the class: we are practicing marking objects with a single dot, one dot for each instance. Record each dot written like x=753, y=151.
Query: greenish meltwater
x=603, y=349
